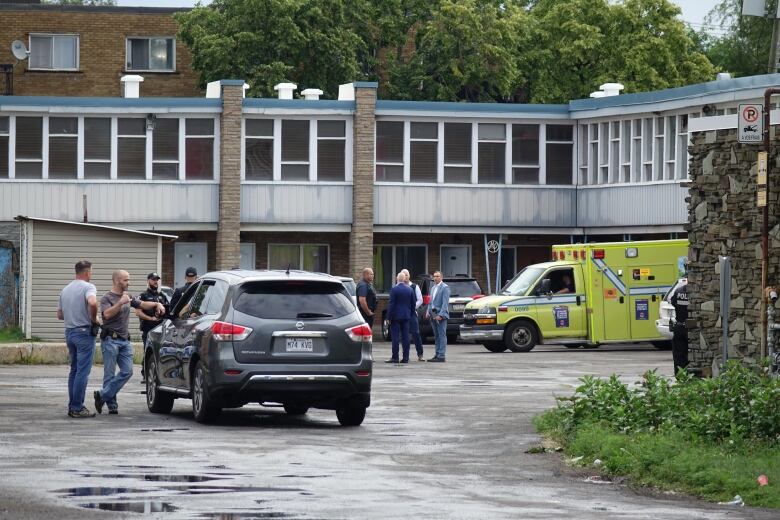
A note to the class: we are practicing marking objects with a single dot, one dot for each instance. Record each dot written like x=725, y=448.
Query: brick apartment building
x=85, y=50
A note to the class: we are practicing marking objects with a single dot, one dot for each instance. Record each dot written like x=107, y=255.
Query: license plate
x=300, y=345
x=458, y=306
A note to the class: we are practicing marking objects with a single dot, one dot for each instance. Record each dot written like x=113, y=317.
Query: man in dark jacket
x=400, y=310
x=190, y=275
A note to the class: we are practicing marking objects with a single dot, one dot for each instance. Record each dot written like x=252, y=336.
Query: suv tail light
x=427, y=299
x=229, y=332
x=477, y=296
x=360, y=333
x=598, y=254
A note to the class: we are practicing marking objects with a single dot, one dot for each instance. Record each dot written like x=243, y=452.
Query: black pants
x=369, y=319
x=680, y=347
x=144, y=334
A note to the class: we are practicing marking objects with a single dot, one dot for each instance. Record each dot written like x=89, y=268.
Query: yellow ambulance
x=589, y=294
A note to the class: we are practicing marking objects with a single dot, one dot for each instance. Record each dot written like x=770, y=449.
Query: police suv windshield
x=519, y=285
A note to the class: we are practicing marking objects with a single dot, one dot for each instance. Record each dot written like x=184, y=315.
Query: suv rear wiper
x=313, y=315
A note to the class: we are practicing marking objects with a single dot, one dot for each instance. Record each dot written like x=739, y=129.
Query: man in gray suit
x=439, y=312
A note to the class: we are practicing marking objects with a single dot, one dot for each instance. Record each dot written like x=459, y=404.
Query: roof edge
x=23, y=218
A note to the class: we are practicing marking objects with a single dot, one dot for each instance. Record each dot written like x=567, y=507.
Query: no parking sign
x=751, y=124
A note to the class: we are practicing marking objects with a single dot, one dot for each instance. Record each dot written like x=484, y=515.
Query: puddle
x=214, y=490
x=97, y=491
x=147, y=506
x=164, y=429
x=243, y=515
x=303, y=476
x=151, y=477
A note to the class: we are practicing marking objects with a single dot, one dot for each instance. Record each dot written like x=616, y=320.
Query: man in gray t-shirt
x=77, y=307
x=115, y=339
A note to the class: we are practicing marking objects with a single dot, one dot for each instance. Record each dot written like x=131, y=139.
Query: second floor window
x=151, y=54
x=54, y=52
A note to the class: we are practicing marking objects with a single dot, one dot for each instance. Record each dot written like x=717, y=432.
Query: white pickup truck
x=666, y=311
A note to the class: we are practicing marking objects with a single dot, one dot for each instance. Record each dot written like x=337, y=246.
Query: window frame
x=149, y=57
x=395, y=269
x=408, y=150
x=315, y=172
x=301, y=246
x=276, y=177
x=51, y=36
x=404, y=164
x=74, y=137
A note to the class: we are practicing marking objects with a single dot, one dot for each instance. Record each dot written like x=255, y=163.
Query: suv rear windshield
x=463, y=288
x=294, y=300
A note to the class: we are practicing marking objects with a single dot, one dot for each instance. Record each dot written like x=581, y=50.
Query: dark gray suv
x=237, y=337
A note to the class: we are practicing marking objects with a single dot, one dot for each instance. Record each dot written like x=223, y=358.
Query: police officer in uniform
x=679, y=299
x=190, y=275
x=147, y=317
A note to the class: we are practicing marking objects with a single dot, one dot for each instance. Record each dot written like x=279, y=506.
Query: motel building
x=334, y=185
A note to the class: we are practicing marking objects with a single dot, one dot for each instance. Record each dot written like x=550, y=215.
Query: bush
x=739, y=405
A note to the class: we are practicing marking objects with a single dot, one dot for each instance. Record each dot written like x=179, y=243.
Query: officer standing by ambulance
x=679, y=299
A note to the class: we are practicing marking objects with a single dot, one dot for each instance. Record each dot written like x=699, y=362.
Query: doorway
x=188, y=254
x=455, y=260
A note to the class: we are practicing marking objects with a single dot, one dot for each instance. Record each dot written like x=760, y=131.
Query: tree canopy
x=450, y=50
x=743, y=48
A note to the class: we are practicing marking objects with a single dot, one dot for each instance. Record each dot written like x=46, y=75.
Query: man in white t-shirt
x=78, y=309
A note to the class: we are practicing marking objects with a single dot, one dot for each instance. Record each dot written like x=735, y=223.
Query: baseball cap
x=191, y=271
x=153, y=276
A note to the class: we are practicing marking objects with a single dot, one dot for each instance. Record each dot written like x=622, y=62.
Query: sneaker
x=436, y=360
x=81, y=414
x=391, y=360
x=420, y=358
x=113, y=411
x=98, y=401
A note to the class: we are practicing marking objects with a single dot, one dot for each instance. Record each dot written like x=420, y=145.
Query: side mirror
x=544, y=287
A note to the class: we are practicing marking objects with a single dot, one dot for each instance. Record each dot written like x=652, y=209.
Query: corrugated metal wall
x=111, y=201
x=55, y=250
x=296, y=203
x=634, y=205
x=474, y=206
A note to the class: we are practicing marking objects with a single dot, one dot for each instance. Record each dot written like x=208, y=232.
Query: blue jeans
x=414, y=331
x=116, y=352
x=399, y=330
x=81, y=350
x=440, y=336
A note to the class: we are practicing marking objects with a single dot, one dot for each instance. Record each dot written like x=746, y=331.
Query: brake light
x=582, y=255
x=598, y=254
x=229, y=331
x=555, y=256
x=427, y=299
x=576, y=255
x=477, y=296
x=232, y=372
x=360, y=333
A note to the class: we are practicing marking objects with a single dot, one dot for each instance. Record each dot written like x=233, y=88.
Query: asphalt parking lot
x=445, y=440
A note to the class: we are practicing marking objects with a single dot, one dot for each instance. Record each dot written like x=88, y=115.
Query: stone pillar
x=724, y=219
x=361, y=238
x=228, y=229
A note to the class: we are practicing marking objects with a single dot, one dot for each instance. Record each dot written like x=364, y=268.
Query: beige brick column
x=228, y=235
x=361, y=238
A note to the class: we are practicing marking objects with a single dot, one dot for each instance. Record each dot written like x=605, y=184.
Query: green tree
x=580, y=44
x=467, y=50
x=744, y=48
x=309, y=42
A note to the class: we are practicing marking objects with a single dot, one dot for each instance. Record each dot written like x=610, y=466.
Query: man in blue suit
x=439, y=313
x=399, y=311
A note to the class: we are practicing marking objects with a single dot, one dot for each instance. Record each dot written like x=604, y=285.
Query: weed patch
x=707, y=437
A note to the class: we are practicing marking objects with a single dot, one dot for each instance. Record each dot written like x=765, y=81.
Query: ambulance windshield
x=519, y=285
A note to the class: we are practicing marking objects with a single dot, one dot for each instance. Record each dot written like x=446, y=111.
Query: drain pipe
x=771, y=340
x=765, y=225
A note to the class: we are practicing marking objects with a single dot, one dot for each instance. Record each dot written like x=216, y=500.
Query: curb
x=36, y=353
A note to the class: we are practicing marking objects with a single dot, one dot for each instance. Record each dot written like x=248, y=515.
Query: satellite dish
x=19, y=49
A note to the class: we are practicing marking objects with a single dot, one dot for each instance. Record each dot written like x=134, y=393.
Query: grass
x=674, y=460
x=12, y=335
